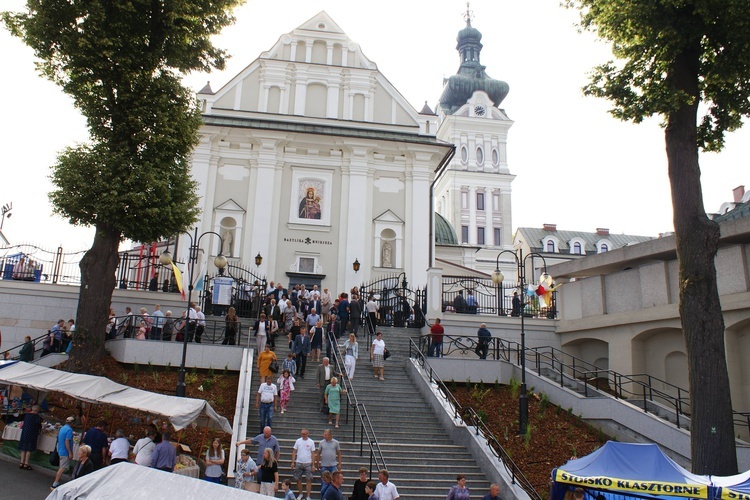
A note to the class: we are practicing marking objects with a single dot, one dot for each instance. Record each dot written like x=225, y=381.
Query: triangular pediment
x=315, y=71
x=229, y=206
x=321, y=22
x=388, y=216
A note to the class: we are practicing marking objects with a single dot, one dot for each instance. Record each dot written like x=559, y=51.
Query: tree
x=120, y=61
x=676, y=58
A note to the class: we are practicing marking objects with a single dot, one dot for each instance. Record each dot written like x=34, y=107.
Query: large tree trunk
x=98, y=281
x=712, y=432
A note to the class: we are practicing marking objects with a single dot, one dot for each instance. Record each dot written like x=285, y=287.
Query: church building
x=311, y=158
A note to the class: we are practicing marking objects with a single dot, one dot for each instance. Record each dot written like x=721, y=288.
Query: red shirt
x=437, y=332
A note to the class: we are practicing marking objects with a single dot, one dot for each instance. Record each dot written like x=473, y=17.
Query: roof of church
x=444, y=232
x=426, y=110
x=535, y=235
x=471, y=75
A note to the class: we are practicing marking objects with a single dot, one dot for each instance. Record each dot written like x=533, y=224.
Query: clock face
x=479, y=110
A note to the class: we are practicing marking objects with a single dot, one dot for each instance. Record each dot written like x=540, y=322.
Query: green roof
x=444, y=232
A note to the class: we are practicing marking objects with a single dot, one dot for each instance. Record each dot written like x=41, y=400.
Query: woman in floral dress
x=286, y=386
x=246, y=470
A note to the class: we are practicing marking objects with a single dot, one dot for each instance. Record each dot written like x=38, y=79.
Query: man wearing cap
x=64, y=449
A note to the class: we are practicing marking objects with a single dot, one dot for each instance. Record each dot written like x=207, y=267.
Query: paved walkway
x=17, y=484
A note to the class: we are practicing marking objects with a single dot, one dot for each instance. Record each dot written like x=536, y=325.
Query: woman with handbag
x=265, y=359
x=244, y=477
x=377, y=356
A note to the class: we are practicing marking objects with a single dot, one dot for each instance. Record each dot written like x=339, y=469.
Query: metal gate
x=398, y=305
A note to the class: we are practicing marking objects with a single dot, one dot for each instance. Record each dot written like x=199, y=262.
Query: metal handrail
x=470, y=417
x=570, y=368
x=366, y=433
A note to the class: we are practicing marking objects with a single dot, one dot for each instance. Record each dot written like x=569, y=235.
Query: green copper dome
x=444, y=232
x=471, y=75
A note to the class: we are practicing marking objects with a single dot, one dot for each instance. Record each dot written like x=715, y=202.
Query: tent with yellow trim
x=622, y=471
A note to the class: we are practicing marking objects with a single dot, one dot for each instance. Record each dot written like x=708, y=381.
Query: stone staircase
x=423, y=462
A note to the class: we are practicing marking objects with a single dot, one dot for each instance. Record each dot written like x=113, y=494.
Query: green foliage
x=150, y=367
x=191, y=378
x=452, y=386
x=135, y=368
x=673, y=54
x=167, y=367
x=497, y=385
x=543, y=401
x=468, y=384
x=481, y=384
x=479, y=393
x=210, y=372
x=155, y=376
x=124, y=377
x=515, y=387
x=207, y=384
x=527, y=437
x=482, y=416
x=573, y=451
x=226, y=370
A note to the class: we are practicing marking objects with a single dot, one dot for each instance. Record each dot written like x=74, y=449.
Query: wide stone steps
x=423, y=462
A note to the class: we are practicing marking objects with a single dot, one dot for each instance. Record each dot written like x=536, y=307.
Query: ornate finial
x=469, y=14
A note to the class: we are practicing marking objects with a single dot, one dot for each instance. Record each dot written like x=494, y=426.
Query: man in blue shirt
x=494, y=493
x=64, y=449
x=265, y=440
x=334, y=490
x=97, y=440
x=57, y=335
x=164, y=456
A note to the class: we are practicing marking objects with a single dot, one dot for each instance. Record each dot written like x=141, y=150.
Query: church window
x=464, y=234
x=603, y=248
x=480, y=236
x=498, y=236
x=464, y=154
x=576, y=248
x=480, y=201
x=480, y=156
x=550, y=246
x=495, y=157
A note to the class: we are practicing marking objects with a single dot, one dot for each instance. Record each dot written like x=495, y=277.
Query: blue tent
x=733, y=487
x=620, y=471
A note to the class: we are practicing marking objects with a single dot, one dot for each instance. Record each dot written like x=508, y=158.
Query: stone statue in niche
x=386, y=254
x=227, y=237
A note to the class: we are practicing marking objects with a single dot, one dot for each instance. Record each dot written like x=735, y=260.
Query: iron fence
x=471, y=295
x=398, y=305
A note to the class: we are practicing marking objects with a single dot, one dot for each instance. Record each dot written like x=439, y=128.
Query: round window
x=480, y=156
x=464, y=154
x=495, y=157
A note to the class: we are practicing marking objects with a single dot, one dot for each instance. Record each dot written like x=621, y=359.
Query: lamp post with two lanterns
x=497, y=278
x=220, y=262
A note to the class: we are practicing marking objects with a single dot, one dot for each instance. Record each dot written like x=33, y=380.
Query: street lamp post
x=220, y=262
x=497, y=278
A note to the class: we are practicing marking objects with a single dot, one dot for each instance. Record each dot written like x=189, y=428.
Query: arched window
x=577, y=248
x=550, y=246
x=480, y=156
x=464, y=154
x=603, y=248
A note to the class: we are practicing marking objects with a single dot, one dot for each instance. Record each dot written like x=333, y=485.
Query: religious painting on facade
x=310, y=200
x=309, y=205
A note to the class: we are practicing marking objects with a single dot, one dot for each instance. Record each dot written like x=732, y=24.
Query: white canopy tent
x=181, y=412
x=126, y=480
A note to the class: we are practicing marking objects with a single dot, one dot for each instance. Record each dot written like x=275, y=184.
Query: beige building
x=621, y=309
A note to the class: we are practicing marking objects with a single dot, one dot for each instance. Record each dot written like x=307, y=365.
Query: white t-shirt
x=261, y=329
x=267, y=392
x=305, y=449
x=379, y=347
x=143, y=450
x=386, y=491
x=120, y=448
x=371, y=307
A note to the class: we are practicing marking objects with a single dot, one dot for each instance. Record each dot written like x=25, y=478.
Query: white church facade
x=311, y=158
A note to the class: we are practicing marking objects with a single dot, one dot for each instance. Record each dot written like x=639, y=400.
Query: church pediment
x=388, y=216
x=229, y=206
x=315, y=71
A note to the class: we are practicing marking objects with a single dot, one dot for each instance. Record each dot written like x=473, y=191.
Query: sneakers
x=282, y=410
x=300, y=497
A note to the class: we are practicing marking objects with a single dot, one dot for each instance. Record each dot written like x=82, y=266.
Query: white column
x=332, y=110
x=308, y=51
x=357, y=233
x=238, y=95
x=434, y=293
x=329, y=53
x=344, y=55
x=418, y=217
x=472, y=215
x=293, y=51
x=263, y=230
x=300, y=96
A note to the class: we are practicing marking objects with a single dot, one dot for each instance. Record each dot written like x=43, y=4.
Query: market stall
x=144, y=482
x=47, y=438
x=620, y=471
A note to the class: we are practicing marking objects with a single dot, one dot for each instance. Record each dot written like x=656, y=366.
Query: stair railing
x=640, y=386
x=470, y=418
x=366, y=431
